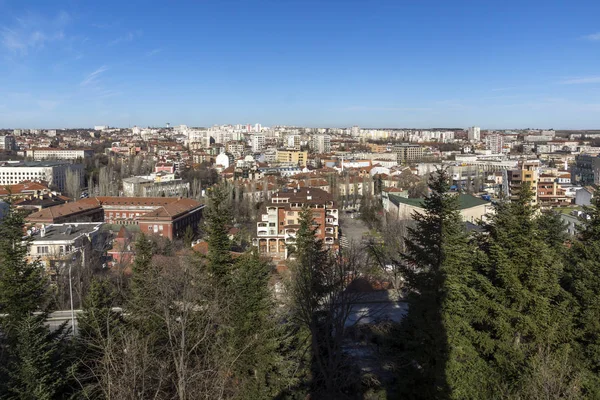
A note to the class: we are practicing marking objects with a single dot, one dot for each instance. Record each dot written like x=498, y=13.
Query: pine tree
x=255, y=336
x=23, y=287
x=38, y=362
x=218, y=219
x=98, y=328
x=35, y=361
x=583, y=282
x=437, y=337
x=528, y=310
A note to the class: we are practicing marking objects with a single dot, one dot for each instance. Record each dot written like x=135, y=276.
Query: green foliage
x=38, y=364
x=23, y=286
x=437, y=337
x=526, y=306
x=218, y=220
x=582, y=280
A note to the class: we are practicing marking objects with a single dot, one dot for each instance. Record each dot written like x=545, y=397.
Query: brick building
x=277, y=227
x=164, y=216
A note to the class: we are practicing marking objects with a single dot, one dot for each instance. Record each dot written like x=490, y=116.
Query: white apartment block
x=474, y=134
x=7, y=143
x=53, y=172
x=258, y=143
x=57, y=154
x=495, y=143
x=322, y=144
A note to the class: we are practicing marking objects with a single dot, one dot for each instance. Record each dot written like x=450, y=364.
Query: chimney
x=43, y=230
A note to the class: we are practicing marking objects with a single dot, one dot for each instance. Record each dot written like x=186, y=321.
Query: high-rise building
x=407, y=152
x=7, y=143
x=321, y=144
x=258, y=143
x=494, y=142
x=474, y=133
x=528, y=172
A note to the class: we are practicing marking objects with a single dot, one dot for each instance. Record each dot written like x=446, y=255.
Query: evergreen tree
x=528, y=310
x=218, y=220
x=38, y=361
x=583, y=282
x=23, y=286
x=255, y=335
x=33, y=360
x=98, y=328
x=436, y=337
x=552, y=230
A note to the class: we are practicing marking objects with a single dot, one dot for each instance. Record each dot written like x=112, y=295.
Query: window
x=290, y=222
x=42, y=250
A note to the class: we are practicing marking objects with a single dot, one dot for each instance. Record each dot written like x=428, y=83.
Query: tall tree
x=30, y=355
x=527, y=307
x=218, y=220
x=436, y=337
x=583, y=282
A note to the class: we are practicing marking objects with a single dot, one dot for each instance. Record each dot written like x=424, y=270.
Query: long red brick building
x=164, y=216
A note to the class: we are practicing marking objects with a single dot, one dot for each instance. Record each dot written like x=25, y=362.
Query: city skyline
x=339, y=64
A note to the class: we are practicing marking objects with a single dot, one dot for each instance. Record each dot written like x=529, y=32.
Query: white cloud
x=153, y=52
x=93, y=77
x=128, y=37
x=581, y=80
x=593, y=37
x=31, y=32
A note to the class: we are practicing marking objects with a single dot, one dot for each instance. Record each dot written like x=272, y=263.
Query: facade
x=52, y=172
x=258, y=143
x=586, y=170
x=58, y=154
x=292, y=157
x=528, y=172
x=474, y=134
x=7, y=143
x=57, y=246
x=277, y=227
x=139, y=186
x=472, y=209
x=321, y=144
x=407, y=152
x=550, y=193
x=495, y=143
x=164, y=216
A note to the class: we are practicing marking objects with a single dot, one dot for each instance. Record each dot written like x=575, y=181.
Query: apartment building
x=550, y=193
x=321, y=144
x=52, y=172
x=58, y=154
x=292, y=157
x=407, y=152
x=7, y=143
x=528, y=172
x=278, y=225
x=495, y=143
x=58, y=245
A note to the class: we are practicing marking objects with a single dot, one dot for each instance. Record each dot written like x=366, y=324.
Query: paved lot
x=352, y=228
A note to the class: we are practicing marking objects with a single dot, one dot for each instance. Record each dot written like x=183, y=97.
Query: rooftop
x=66, y=231
x=465, y=201
x=44, y=163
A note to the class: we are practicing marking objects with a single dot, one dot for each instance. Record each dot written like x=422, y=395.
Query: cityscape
x=402, y=242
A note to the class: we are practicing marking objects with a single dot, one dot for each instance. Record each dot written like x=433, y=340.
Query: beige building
x=472, y=209
x=292, y=156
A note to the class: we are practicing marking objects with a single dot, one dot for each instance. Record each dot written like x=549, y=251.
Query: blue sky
x=373, y=63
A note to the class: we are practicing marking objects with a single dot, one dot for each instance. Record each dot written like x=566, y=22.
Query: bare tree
x=73, y=183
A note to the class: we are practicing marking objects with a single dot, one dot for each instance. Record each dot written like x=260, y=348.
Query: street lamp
x=71, y=295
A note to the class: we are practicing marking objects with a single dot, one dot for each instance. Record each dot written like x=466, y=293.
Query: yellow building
x=528, y=172
x=292, y=156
